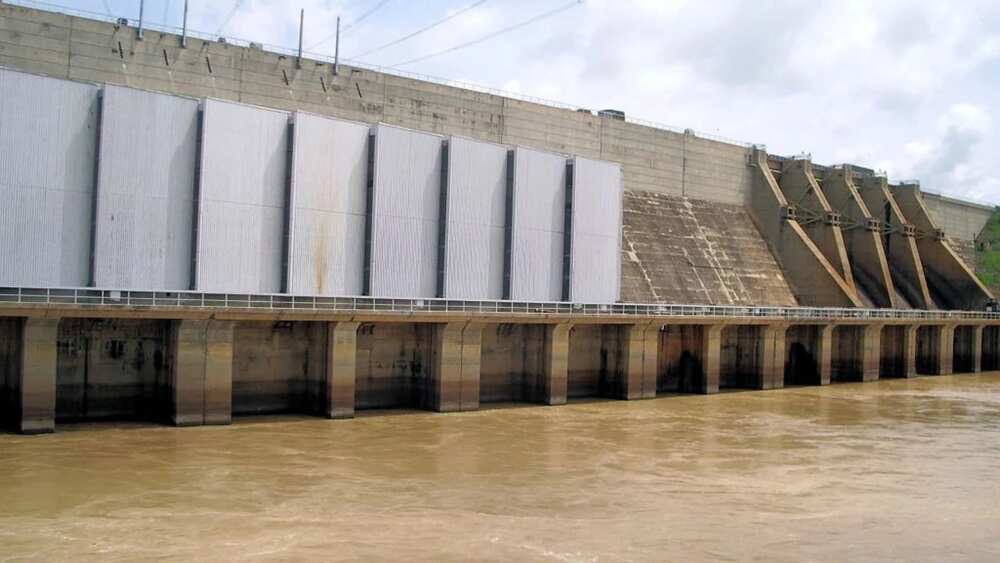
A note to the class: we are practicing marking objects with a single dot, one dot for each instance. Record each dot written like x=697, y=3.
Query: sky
x=909, y=87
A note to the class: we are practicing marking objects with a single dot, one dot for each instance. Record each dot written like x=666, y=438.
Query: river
x=904, y=470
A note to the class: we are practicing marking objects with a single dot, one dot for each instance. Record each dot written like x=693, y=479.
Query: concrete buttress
x=820, y=221
x=897, y=241
x=825, y=354
x=812, y=277
x=861, y=233
x=951, y=282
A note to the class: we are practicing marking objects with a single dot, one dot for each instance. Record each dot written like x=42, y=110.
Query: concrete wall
x=848, y=361
x=10, y=362
x=393, y=363
x=802, y=355
x=595, y=357
x=680, y=365
x=742, y=357
x=272, y=363
x=962, y=220
x=654, y=159
x=112, y=369
x=512, y=356
x=678, y=250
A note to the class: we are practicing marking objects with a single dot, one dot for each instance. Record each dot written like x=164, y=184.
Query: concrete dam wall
x=227, y=200
x=654, y=160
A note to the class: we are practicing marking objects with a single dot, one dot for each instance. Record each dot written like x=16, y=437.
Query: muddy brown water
x=886, y=471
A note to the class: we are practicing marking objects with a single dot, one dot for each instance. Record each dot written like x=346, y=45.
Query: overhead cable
x=421, y=30
x=498, y=33
x=347, y=27
x=229, y=16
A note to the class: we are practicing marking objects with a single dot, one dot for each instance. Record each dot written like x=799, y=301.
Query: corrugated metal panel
x=405, y=209
x=477, y=196
x=241, y=213
x=538, y=225
x=595, y=252
x=145, y=190
x=329, y=183
x=48, y=137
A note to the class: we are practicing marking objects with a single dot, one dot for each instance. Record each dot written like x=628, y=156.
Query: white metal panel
x=405, y=209
x=145, y=190
x=329, y=184
x=476, y=215
x=538, y=225
x=241, y=213
x=48, y=138
x=595, y=248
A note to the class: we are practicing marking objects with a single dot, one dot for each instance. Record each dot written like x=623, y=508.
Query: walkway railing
x=111, y=298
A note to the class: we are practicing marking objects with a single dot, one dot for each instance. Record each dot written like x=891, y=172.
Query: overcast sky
x=907, y=86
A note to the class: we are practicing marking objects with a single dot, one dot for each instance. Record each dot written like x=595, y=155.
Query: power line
x=421, y=30
x=229, y=16
x=364, y=16
x=528, y=21
x=347, y=27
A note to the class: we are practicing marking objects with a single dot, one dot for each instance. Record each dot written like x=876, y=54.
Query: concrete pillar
x=472, y=358
x=824, y=355
x=341, y=369
x=772, y=369
x=638, y=377
x=552, y=388
x=910, y=352
x=946, y=350
x=34, y=375
x=201, y=379
x=454, y=381
x=977, y=348
x=871, y=352
x=711, y=354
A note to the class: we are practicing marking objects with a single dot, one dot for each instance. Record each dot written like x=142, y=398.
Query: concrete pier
x=773, y=358
x=341, y=370
x=454, y=379
x=201, y=379
x=28, y=360
x=711, y=354
x=552, y=389
x=871, y=353
x=198, y=371
x=639, y=374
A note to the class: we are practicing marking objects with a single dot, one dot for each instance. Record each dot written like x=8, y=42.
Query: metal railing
x=114, y=299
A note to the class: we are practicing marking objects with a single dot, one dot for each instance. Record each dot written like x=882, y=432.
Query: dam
x=202, y=231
